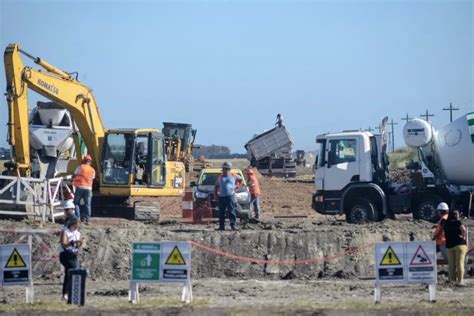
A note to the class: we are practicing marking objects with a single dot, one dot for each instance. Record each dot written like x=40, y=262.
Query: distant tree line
x=215, y=152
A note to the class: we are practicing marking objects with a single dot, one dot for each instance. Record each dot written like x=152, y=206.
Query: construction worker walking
x=456, y=243
x=225, y=191
x=83, y=179
x=439, y=236
x=254, y=187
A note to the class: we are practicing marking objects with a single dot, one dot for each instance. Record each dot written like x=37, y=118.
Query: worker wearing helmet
x=254, y=188
x=225, y=191
x=438, y=236
x=69, y=212
x=83, y=178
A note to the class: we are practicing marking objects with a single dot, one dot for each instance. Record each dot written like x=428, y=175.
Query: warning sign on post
x=175, y=257
x=15, y=264
x=422, y=262
x=15, y=260
x=176, y=265
x=390, y=258
x=390, y=262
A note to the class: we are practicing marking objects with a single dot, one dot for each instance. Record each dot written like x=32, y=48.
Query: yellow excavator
x=131, y=164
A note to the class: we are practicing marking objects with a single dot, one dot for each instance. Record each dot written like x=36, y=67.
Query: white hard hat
x=68, y=204
x=443, y=207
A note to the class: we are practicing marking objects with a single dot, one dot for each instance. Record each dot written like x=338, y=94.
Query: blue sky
x=229, y=67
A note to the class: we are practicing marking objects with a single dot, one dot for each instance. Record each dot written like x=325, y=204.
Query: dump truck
x=270, y=153
x=352, y=175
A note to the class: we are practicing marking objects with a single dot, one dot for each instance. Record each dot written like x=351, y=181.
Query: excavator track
x=147, y=209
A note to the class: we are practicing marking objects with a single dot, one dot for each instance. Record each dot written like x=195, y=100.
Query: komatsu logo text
x=48, y=86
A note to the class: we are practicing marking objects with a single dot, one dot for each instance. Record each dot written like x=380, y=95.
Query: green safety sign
x=146, y=262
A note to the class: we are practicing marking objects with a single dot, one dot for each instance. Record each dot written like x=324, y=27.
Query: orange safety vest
x=84, y=177
x=253, y=185
x=439, y=233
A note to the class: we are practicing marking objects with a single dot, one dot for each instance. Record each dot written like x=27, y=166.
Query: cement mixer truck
x=352, y=175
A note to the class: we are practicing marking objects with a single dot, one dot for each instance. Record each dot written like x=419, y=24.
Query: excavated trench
x=340, y=250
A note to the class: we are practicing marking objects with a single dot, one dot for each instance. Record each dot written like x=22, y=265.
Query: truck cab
x=350, y=175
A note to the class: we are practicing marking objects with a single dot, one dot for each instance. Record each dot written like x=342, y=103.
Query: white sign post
x=161, y=262
x=15, y=267
x=404, y=263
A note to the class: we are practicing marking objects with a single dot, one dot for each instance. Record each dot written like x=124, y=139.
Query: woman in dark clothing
x=456, y=244
x=70, y=241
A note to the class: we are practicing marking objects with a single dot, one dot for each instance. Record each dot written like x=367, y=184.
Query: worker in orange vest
x=439, y=236
x=254, y=186
x=83, y=178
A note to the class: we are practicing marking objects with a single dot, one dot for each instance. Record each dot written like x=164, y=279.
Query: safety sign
x=406, y=262
x=176, y=265
x=389, y=262
x=422, y=262
x=15, y=264
x=163, y=261
x=390, y=258
x=146, y=262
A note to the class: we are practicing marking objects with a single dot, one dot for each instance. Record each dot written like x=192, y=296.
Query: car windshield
x=211, y=178
x=208, y=179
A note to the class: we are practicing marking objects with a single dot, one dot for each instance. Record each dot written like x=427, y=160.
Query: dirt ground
x=339, y=282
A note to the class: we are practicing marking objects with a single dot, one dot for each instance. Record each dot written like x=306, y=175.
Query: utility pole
x=389, y=141
x=392, y=123
x=370, y=129
x=427, y=115
x=379, y=128
x=450, y=109
x=406, y=118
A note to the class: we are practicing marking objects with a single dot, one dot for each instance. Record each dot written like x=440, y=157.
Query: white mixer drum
x=455, y=150
x=417, y=133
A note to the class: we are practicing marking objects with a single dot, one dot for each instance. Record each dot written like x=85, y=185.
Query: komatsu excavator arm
x=57, y=86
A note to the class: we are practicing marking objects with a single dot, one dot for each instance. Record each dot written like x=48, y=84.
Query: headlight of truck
x=242, y=197
x=201, y=195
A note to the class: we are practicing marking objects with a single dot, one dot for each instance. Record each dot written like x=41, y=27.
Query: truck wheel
x=360, y=212
x=425, y=208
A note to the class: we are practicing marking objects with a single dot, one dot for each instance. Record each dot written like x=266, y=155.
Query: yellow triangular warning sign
x=390, y=258
x=175, y=257
x=15, y=260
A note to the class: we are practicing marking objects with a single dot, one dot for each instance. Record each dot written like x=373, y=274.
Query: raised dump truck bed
x=270, y=152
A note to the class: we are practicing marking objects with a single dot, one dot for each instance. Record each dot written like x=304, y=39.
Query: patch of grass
x=152, y=303
x=39, y=306
x=148, y=303
x=440, y=307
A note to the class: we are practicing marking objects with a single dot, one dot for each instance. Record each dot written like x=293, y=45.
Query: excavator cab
x=133, y=157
